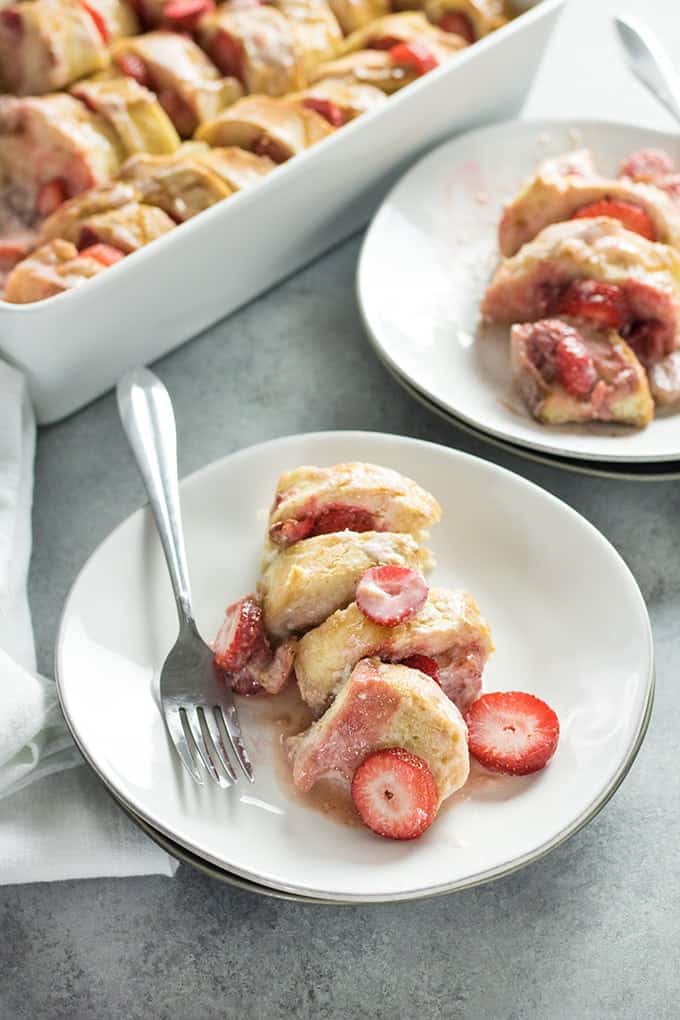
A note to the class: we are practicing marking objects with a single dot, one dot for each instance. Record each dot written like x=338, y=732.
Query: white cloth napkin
x=56, y=820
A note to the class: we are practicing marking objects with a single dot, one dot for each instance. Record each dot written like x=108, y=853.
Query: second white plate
x=428, y=256
x=568, y=621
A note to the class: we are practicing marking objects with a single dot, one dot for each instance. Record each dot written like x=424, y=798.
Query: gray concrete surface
x=590, y=932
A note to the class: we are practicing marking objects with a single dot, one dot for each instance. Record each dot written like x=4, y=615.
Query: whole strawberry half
x=395, y=794
x=512, y=732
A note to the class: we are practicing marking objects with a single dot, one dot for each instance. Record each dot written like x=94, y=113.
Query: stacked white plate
x=568, y=621
x=427, y=258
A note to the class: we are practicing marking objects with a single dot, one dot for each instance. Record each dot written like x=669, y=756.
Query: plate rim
x=500, y=127
x=501, y=870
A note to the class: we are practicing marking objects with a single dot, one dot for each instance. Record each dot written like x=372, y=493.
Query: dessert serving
x=389, y=668
x=590, y=286
x=186, y=103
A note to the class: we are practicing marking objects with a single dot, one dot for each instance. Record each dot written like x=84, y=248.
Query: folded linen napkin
x=56, y=819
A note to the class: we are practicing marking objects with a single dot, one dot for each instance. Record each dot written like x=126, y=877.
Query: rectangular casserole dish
x=73, y=347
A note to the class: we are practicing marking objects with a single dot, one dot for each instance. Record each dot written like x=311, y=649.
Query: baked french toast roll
x=46, y=45
x=386, y=70
x=570, y=371
x=353, y=14
x=180, y=184
x=340, y=101
x=256, y=45
x=127, y=228
x=560, y=191
x=52, y=148
x=449, y=629
x=306, y=582
x=379, y=706
x=597, y=270
x=188, y=85
x=316, y=29
x=409, y=27
x=52, y=269
x=133, y=111
x=471, y=19
x=268, y=126
x=66, y=222
x=237, y=167
x=354, y=496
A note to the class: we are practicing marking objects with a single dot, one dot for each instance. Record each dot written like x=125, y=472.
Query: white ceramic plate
x=427, y=258
x=568, y=621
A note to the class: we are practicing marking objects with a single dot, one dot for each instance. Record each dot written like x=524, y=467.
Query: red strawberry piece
x=329, y=110
x=575, y=366
x=50, y=196
x=414, y=54
x=342, y=517
x=395, y=794
x=632, y=216
x=646, y=164
x=131, y=65
x=512, y=732
x=291, y=530
x=390, y=595
x=425, y=664
x=227, y=53
x=98, y=19
x=104, y=253
x=179, y=111
x=603, y=303
x=458, y=24
x=185, y=14
x=239, y=635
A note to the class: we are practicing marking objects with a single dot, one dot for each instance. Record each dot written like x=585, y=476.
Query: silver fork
x=650, y=60
x=198, y=708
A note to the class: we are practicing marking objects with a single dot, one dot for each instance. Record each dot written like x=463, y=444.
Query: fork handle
x=147, y=417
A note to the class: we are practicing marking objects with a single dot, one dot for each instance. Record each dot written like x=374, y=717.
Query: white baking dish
x=75, y=346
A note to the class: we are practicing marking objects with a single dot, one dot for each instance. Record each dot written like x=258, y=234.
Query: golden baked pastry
x=353, y=496
x=133, y=111
x=380, y=706
x=554, y=195
x=267, y=126
x=50, y=270
x=306, y=582
x=181, y=184
x=569, y=371
x=634, y=283
x=449, y=628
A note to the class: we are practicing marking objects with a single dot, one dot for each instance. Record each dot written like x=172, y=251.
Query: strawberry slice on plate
x=575, y=365
x=512, y=732
x=395, y=794
x=632, y=216
x=239, y=635
x=390, y=595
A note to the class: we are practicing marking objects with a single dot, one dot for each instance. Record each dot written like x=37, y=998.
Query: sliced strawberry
x=239, y=635
x=459, y=24
x=184, y=15
x=414, y=54
x=575, y=366
x=390, y=595
x=179, y=112
x=395, y=794
x=512, y=732
x=329, y=110
x=343, y=517
x=604, y=303
x=98, y=19
x=50, y=196
x=131, y=65
x=646, y=165
x=227, y=53
x=632, y=216
x=104, y=253
x=425, y=664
